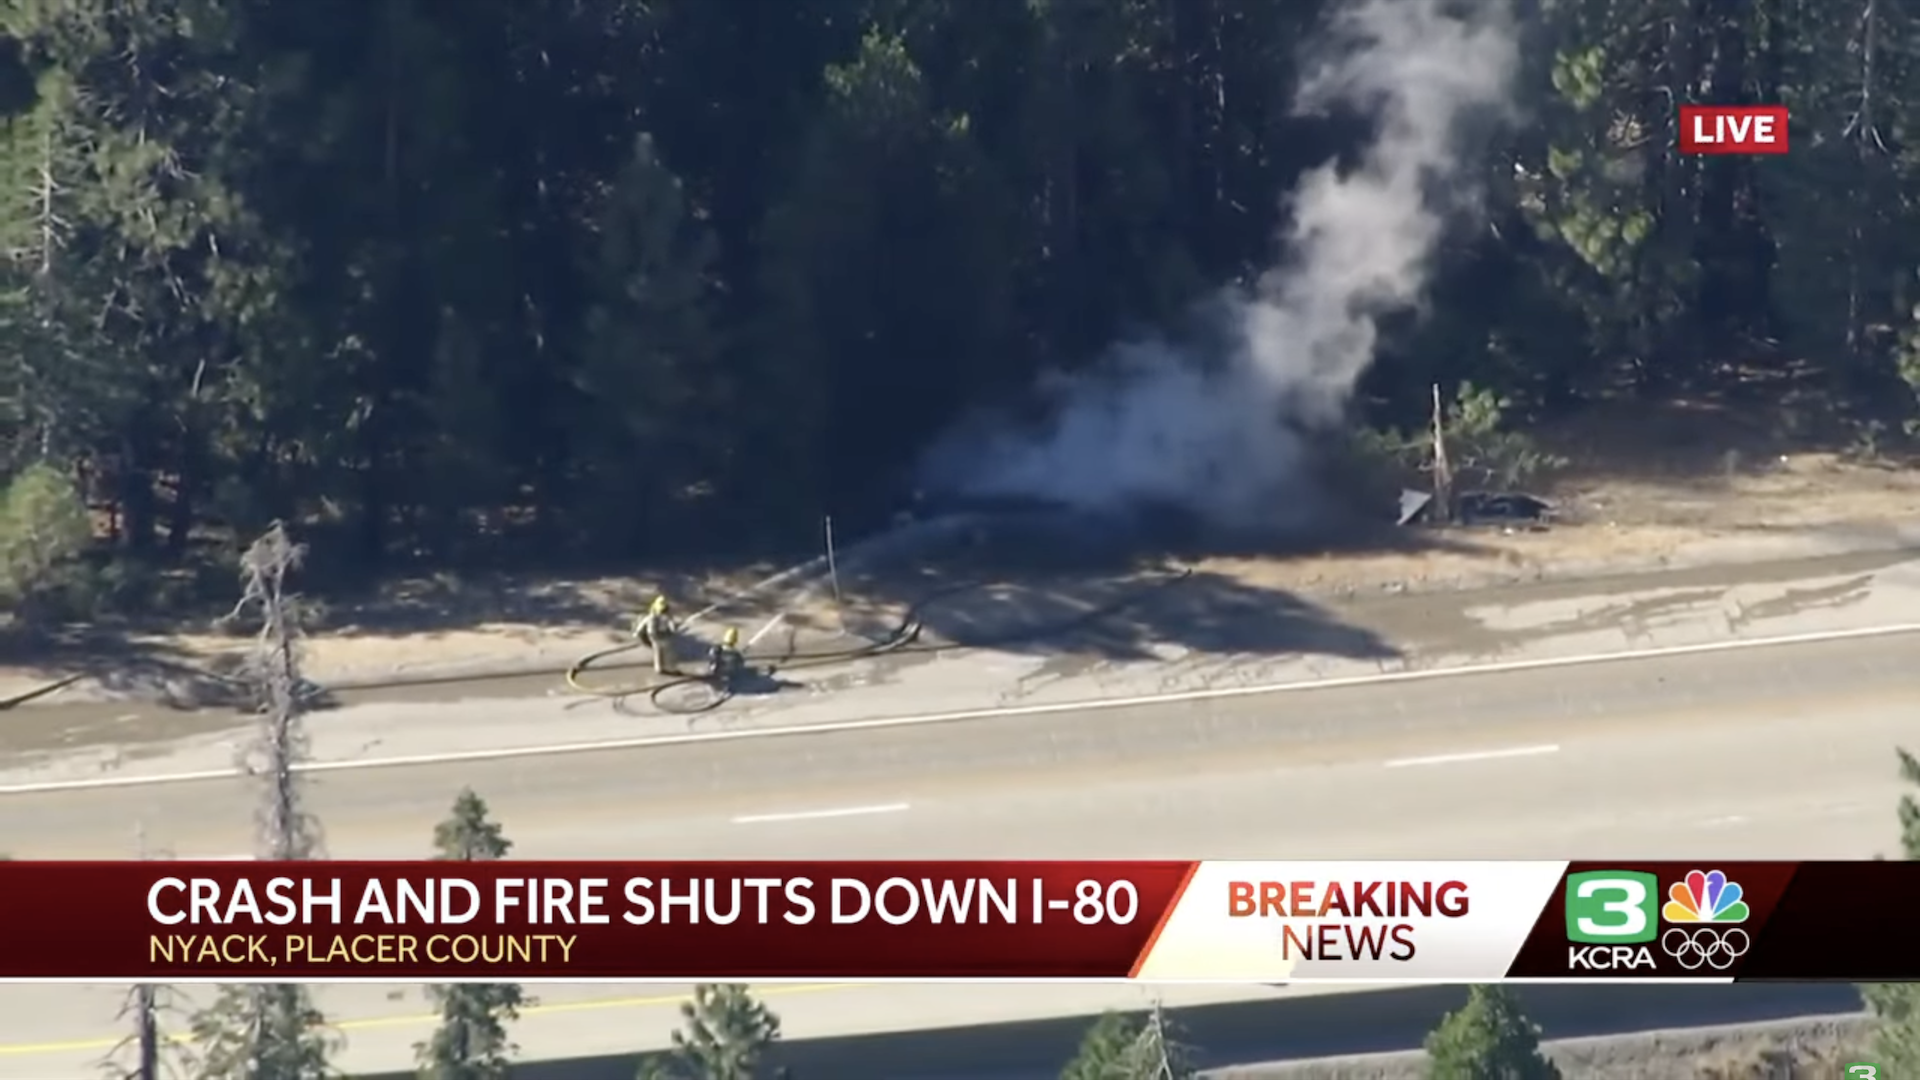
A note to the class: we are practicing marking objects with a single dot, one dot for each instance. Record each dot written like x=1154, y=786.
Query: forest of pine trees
x=622, y=278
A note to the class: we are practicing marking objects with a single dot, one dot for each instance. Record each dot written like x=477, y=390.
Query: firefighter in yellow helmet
x=656, y=630
x=725, y=661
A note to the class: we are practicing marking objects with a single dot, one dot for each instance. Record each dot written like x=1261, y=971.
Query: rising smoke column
x=1159, y=424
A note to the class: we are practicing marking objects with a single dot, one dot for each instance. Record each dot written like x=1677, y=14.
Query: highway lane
x=1770, y=753
x=1237, y=1033
x=583, y=792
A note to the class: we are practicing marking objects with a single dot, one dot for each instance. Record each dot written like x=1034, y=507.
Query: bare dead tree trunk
x=286, y=830
x=144, y=1005
x=1442, y=469
x=146, y=1023
x=277, y=1022
x=1156, y=1048
x=1869, y=149
x=46, y=195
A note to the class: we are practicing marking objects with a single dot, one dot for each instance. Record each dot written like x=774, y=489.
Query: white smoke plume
x=1217, y=431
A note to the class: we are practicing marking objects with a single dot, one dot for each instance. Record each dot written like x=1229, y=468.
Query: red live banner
x=1241, y=922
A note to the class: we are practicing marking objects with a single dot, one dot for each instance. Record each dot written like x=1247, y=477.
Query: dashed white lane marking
x=1478, y=755
x=511, y=753
x=818, y=815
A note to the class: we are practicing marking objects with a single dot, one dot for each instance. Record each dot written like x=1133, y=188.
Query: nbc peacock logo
x=1705, y=908
x=1705, y=898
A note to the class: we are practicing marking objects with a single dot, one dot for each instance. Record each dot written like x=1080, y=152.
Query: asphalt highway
x=1776, y=752
x=1222, y=1036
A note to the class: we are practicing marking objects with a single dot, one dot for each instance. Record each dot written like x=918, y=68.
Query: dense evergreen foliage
x=622, y=278
x=724, y=1035
x=1488, y=1038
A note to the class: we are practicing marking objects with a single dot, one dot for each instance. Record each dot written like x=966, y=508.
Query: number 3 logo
x=1625, y=899
x=1863, y=1072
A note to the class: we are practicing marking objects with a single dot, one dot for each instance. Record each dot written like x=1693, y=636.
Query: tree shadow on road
x=1020, y=588
x=194, y=659
x=1137, y=616
x=118, y=665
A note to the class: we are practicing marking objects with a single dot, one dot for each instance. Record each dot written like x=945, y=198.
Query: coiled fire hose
x=903, y=638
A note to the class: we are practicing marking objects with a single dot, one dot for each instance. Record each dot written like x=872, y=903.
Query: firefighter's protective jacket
x=725, y=663
x=654, y=626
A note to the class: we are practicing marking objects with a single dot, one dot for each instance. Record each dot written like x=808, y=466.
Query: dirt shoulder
x=1793, y=506
x=1687, y=490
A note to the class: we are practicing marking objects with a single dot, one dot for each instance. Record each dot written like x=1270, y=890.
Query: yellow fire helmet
x=731, y=639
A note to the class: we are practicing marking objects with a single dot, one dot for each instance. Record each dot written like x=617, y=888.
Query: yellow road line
x=75, y=1046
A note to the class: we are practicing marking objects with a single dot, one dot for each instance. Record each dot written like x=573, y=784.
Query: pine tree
x=1488, y=1038
x=469, y=834
x=43, y=527
x=471, y=1042
x=1909, y=807
x=1104, y=1049
x=268, y=1032
x=646, y=374
x=1897, y=1043
x=725, y=1034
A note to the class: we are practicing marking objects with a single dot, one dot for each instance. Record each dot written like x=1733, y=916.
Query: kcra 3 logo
x=1614, y=922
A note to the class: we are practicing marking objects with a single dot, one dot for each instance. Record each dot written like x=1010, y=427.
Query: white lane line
x=164, y=855
x=817, y=815
x=1478, y=755
x=1502, y=667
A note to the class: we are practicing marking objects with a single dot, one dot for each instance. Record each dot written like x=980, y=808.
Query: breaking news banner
x=1170, y=921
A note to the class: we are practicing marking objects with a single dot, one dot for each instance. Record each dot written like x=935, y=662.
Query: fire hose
x=904, y=638
x=40, y=691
